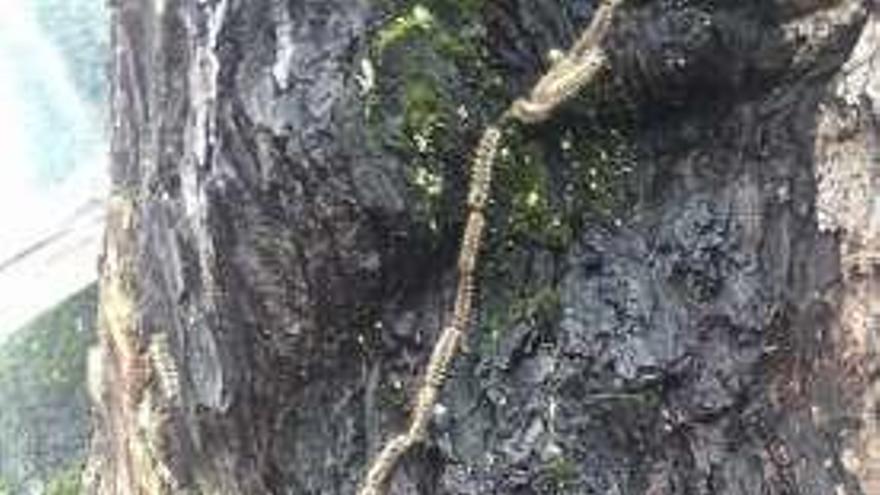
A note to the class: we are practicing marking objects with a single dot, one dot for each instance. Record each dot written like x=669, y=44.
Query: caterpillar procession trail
x=569, y=73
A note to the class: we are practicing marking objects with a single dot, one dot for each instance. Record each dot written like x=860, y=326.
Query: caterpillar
x=571, y=72
x=165, y=367
x=481, y=172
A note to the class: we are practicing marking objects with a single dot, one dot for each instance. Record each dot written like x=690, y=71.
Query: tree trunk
x=678, y=287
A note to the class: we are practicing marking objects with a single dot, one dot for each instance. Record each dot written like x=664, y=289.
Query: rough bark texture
x=276, y=269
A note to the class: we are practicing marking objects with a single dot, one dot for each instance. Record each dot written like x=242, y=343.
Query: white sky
x=29, y=210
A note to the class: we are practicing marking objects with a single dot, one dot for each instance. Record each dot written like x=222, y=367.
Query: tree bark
x=681, y=276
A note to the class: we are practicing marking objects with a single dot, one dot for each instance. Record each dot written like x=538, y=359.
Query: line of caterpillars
x=569, y=73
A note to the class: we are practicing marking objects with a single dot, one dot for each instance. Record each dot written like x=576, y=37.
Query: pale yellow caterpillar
x=571, y=72
x=165, y=368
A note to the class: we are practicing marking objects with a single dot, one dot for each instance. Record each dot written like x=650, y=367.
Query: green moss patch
x=432, y=91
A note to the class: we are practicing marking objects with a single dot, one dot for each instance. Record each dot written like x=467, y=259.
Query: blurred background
x=53, y=134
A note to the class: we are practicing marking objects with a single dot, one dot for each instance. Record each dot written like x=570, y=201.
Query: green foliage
x=49, y=353
x=44, y=420
x=65, y=482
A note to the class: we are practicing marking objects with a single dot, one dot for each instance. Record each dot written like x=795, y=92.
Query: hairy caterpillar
x=165, y=367
x=481, y=172
x=570, y=72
